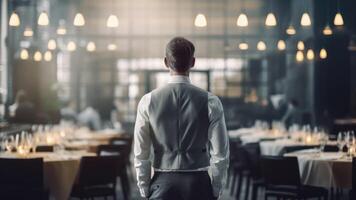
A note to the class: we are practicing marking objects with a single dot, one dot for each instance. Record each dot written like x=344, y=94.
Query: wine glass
x=341, y=141
x=350, y=141
x=9, y=144
x=323, y=140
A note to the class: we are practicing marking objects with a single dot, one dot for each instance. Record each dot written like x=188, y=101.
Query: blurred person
x=90, y=118
x=185, y=125
x=68, y=112
x=292, y=113
x=19, y=96
x=24, y=109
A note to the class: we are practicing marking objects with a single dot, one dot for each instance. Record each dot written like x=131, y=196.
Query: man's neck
x=174, y=73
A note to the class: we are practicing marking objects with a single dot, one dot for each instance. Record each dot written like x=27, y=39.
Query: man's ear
x=166, y=62
x=192, y=63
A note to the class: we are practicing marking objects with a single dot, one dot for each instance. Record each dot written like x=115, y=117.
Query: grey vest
x=179, y=122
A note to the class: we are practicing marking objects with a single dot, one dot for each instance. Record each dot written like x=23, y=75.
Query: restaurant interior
x=72, y=73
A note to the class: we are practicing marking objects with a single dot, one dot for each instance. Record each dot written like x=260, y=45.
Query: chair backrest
x=253, y=157
x=45, y=148
x=98, y=170
x=21, y=173
x=278, y=170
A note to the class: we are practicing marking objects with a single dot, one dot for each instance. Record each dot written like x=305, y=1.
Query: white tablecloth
x=275, y=148
x=324, y=170
x=60, y=171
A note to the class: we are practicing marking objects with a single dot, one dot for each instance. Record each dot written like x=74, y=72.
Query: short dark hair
x=179, y=54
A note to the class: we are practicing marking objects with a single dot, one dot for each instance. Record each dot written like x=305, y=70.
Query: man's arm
x=219, y=145
x=142, y=146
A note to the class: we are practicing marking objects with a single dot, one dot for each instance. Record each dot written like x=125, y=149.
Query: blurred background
x=90, y=62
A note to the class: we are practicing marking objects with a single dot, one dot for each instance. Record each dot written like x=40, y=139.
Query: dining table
x=278, y=146
x=324, y=169
x=60, y=170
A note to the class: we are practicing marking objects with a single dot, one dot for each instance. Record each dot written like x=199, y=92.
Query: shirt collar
x=179, y=79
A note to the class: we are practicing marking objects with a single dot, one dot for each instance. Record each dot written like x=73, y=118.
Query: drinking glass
x=349, y=140
x=341, y=141
x=323, y=140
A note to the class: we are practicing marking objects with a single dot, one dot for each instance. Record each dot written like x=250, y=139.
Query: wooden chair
x=22, y=179
x=97, y=177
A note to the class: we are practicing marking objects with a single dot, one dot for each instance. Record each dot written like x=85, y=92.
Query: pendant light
x=61, y=30
x=243, y=46
x=47, y=56
x=112, y=21
x=261, y=46
x=338, y=19
x=71, y=46
x=28, y=32
x=291, y=30
x=52, y=45
x=37, y=56
x=300, y=46
x=323, y=53
x=43, y=19
x=271, y=20
x=79, y=20
x=91, y=46
x=281, y=45
x=200, y=21
x=327, y=30
x=305, y=20
x=112, y=47
x=14, y=19
x=242, y=20
x=24, y=54
x=310, y=54
x=299, y=56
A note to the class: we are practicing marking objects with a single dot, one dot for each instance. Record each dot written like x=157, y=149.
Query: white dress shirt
x=218, y=141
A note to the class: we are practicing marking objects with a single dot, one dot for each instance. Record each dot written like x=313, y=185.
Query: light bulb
x=200, y=21
x=310, y=54
x=323, y=53
x=14, y=19
x=338, y=20
x=52, y=45
x=48, y=56
x=299, y=56
x=243, y=46
x=71, y=46
x=327, y=30
x=91, y=47
x=305, y=20
x=271, y=20
x=37, y=56
x=28, y=32
x=261, y=46
x=112, y=21
x=79, y=20
x=112, y=47
x=61, y=30
x=24, y=54
x=43, y=19
x=281, y=45
x=290, y=30
x=242, y=20
x=300, y=46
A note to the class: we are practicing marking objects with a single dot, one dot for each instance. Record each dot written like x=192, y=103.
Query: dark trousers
x=181, y=186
